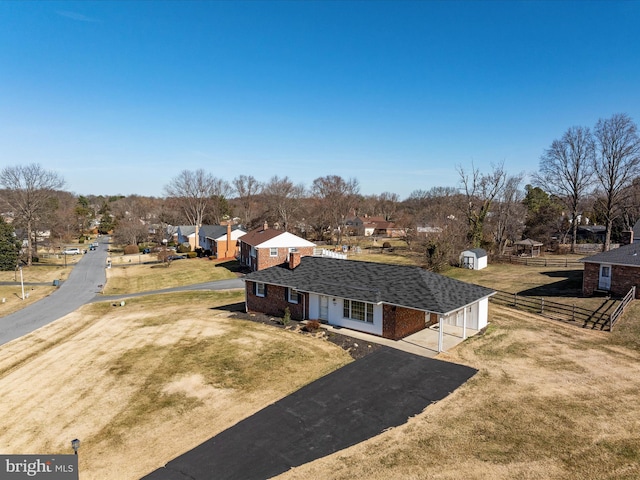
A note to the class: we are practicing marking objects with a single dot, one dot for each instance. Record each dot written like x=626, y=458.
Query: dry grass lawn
x=550, y=402
x=141, y=384
x=144, y=278
x=36, y=274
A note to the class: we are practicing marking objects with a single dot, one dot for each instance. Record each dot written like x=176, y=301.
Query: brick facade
x=622, y=279
x=265, y=260
x=398, y=322
x=275, y=301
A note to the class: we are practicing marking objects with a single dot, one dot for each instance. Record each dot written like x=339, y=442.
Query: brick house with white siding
x=391, y=301
x=266, y=247
x=614, y=272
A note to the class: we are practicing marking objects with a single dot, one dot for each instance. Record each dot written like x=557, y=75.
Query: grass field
x=549, y=402
x=143, y=278
x=38, y=283
x=140, y=384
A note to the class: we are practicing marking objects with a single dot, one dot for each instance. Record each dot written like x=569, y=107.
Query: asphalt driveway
x=359, y=401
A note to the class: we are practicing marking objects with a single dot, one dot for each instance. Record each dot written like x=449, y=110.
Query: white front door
x=604, y=282
x=323, y=314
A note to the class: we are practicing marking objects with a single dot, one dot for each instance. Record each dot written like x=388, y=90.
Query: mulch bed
x=355, y=347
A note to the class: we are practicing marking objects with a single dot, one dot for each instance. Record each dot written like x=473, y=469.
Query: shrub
x=386, y=245
x=131, y=249
x=312, y=326
x=183, y=248
x=192, y=254
x=286, y=319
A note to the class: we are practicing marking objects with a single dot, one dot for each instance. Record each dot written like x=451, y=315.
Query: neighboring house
x=591, y=233
x=220, y=240
x=391, y=301
x=636, y=233
x=187, y=234
x=368, y=226
x=265, y=247
x=427, y=230
x=474, y=259
x=615, y=271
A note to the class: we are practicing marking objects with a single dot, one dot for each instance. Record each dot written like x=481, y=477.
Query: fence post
x=573, y=313
x=542, y=305
x=515, y=299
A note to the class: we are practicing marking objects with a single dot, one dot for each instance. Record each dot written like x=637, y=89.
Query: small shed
x=528, y=247
x=474, y=259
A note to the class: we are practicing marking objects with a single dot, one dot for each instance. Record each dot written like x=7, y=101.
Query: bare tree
x=566, y=170
x=27, y=191
x=247, y=188
x=196, y=192
x=282, y=198
x=337, y=197
x=508, y=209
x=387, y=204
x=616, y=164
x=480, y=190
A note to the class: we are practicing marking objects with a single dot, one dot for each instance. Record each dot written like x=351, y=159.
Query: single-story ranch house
x=391, y=301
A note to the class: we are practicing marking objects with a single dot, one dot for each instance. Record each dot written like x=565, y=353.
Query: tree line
x=586, y=175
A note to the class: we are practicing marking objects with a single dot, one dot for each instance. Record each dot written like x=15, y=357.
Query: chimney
x=294, y=260
x=626, y=238
x=265, y=226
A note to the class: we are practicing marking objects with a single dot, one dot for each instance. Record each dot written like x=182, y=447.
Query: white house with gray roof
x=391, y=301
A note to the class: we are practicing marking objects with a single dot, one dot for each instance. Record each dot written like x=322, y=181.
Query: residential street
x=82, y=285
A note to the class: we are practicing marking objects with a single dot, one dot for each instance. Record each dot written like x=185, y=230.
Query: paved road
x=82, y=285
x=357, y=402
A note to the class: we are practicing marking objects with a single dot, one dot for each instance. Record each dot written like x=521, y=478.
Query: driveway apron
x=357, y=402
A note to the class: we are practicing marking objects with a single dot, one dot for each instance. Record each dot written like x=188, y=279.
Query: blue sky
x=119, y=97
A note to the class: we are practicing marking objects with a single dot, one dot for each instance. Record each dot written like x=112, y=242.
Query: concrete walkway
x=423, y=343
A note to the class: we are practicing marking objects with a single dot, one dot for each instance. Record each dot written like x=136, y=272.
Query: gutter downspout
x=440, y=335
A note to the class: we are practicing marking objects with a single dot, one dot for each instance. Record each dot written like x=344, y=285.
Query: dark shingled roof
x=400, y=285
x=626, y=255
x=215, y=231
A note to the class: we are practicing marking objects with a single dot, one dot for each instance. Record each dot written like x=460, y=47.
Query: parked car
x=146, y=250
x=176, y=257
x=92, y=247
x=72, y=251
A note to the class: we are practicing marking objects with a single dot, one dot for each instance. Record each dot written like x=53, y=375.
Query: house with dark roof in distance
x=220, y=240
x=187, y=234
x=391, y=301
x=265, y=247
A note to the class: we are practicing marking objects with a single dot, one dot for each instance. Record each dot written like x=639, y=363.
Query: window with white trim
x=293, y=295
x=273, y=251
x=261, y=289
x=355, y=310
